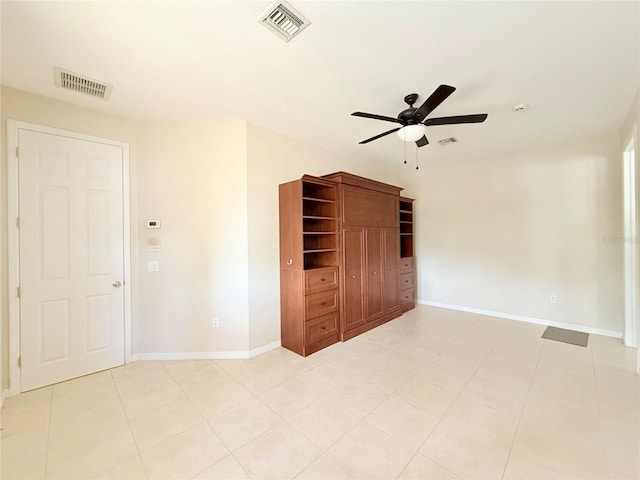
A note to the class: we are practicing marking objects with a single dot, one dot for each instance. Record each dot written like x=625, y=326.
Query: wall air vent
x=82, y=84
x=447, y=141
x=283, y=19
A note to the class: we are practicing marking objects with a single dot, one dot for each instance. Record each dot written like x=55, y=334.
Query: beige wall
x=192, y=177
x=274, y=158
x=19, y=105
x=504, y=235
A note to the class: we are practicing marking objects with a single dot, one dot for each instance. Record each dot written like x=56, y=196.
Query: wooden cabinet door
x=374, y=269
x=391, y=257
x=353, y=257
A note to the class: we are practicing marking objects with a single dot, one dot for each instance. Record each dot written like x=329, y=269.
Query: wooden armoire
x=343, y=259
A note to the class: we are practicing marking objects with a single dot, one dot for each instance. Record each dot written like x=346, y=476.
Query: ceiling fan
x=414, y=121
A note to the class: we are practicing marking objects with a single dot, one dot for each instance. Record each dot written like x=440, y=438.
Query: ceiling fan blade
x=378, y=136
x=376, y=117
x=437, y=97
x=477, y=118
x=421, y=142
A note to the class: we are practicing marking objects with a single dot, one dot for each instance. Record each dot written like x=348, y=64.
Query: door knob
x=117, y=283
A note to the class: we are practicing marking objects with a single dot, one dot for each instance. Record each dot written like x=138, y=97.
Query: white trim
x=228, y=355
x=522, y=318
x=6, y=393
x=13, y=244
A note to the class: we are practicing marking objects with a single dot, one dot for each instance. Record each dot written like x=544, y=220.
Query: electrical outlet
x=434, y=284
x=153, y=266
x=215, y=322
x=553, y=299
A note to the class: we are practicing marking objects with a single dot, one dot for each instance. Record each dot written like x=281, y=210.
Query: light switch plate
x=153, y=266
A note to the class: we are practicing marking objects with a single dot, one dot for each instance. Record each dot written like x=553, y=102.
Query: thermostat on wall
x=153, y=224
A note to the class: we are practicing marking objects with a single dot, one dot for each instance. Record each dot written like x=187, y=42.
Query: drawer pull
x=323, y=303
x=324, y=328
x=290, y=261
x=322, y=279
x=406, y=281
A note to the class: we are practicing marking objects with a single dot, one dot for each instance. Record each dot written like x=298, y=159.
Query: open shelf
x=406, y=227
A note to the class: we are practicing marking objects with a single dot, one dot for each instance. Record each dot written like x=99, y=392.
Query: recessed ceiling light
x=520, y=107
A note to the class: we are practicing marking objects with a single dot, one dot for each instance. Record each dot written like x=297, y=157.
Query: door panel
x=71, y=253
x=391, y=257
x=375, y=273
x=353, y=251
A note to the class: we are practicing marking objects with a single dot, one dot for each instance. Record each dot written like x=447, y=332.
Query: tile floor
x=433, y=394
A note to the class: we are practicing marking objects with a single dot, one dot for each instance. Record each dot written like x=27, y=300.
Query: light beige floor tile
x=289, y=397
x=263, y=377
x=180, y=368
x=140, y=369
x=244, y=422
x=184, y=455
x=24, y=447
x=406, y=423
x=421, y=468
x=323, y=422
x=554, y=448
x=214, y=400
x=500, y=394
x=85, y=397
x=70, y=428
x=324, y=469
x=136, y=384
x=367, y=452
x=467, y=450
x=130, y=469
x=138, y=403
x=202, y=378
x=153, y=427
x=25, y=411
x=323, y=377
x=433, y=399
x=31, y=470
x=356, y=400
x=226, y=469
x=280, y=453
x=92, y=458
x=63, y=388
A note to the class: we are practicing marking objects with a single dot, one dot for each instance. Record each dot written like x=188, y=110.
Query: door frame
x=13, y=241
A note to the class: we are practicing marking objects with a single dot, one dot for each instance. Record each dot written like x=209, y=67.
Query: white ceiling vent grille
x=82, y=84
x=283, y=19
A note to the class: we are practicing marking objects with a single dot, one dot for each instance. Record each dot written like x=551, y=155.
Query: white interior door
x=71, y=257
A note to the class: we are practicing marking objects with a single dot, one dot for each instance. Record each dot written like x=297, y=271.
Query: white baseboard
x=228, y=355
x=522, y=318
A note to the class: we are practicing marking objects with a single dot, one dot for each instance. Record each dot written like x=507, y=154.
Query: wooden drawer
x=320, y=279
x=321, y=328
x=406, y=264
x=406, y=280
x=319, y=304
x=408, y=296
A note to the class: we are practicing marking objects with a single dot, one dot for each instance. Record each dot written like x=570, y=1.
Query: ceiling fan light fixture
x=411, y=133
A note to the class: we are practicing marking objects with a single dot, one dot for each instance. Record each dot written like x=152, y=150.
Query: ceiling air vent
x=447, y=141
x=82, y=84
x=283, y=19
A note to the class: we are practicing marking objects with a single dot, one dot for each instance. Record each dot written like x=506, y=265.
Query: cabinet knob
x=290, y=261
x=323, y=303
x=322, y=279
x=353, y=276
x=375, y=273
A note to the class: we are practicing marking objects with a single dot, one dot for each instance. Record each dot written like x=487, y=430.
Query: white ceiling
x=575, y=63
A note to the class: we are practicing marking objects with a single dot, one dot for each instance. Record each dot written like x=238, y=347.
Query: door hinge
x=18, y=292
x=18, y=222
x=20, y=362
x=17, y=152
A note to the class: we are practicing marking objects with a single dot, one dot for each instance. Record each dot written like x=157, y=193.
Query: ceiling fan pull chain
x=417, y=158
x=405, y=152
